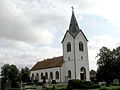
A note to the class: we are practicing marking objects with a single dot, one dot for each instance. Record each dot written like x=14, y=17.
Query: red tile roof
x=48, y=63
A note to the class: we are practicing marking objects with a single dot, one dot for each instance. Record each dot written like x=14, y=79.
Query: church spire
x=72, y=9
x=73, y=27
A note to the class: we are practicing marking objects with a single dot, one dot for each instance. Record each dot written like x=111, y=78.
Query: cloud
x=98, y=42
x=108, y=9
x=15, y=25
x=22, y=54
x=26, y=32
x=31, y=29
x=104, y=40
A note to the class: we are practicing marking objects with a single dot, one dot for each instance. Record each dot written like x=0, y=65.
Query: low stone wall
x=33, y=87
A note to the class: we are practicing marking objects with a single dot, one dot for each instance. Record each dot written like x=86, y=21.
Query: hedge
x=78, y=84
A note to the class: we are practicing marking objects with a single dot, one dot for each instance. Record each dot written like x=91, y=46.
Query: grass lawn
x=60, y=86
x=114, y=87
x=63, y=86
x=109, y=88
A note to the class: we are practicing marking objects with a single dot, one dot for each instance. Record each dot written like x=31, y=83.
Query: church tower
x=75, y=53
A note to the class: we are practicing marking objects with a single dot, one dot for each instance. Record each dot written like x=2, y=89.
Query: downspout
x=60, y=74
x=74, y=58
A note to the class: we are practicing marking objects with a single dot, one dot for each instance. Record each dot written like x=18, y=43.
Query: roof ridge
x=49, y=63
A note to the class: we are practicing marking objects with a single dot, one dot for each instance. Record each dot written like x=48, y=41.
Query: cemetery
x=70, y=71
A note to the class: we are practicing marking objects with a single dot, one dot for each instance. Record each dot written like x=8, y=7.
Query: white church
x=73, y=64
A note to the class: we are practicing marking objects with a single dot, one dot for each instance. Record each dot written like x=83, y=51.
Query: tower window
x=68, y=58
x=69, y=74
x=68, y=47
x=81, y=46
x=81, y=57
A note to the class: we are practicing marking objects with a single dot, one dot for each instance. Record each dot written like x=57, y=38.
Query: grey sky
x=31, y=30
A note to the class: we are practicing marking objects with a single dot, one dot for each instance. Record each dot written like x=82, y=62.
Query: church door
x=83, y=74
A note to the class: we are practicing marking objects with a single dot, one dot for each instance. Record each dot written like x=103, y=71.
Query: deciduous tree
x=10, y=73
x=25, y=72
x=108, y=64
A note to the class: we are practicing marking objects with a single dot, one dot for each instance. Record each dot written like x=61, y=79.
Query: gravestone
x=102, y=83
x=116, y=81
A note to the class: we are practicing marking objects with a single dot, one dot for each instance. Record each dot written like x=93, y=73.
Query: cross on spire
x=73, y=27
x=72, y=8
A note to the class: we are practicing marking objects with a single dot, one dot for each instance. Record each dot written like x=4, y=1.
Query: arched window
x=57, y=75
x=46, y=75
x=51, y=75
x=69, y=74
x=83, y=73
x=32, y=78
x=68, y=47
x=41, y=75
x=81, y=48
x=37, y=77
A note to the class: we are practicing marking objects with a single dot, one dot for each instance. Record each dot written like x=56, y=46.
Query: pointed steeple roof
x=73, y=27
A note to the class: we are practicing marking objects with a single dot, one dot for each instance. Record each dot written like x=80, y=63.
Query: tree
x=116, y=63
x=104, y=63
x=5, y=70
x=10, y=73
x=108, y=64
x=25, y=72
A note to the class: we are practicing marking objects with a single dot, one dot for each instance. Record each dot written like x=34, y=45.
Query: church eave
x=75, y=36
x=44, y=68
x=64, y=36
x=84, y=35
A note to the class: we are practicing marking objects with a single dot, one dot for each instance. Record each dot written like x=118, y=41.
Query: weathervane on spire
x=72, y=9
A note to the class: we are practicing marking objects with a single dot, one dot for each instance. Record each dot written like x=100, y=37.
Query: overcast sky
x=32, y=30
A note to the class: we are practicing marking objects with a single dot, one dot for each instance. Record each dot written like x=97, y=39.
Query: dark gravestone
x=116, y=81
x=44, y=80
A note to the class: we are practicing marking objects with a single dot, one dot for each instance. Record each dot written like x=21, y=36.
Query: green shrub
x=64, y=89
x=29, y=83
x=14, y=89
x=35, y=81
x=78, y=84
x=39, y=84
x=96, y=86
x=53, y=81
